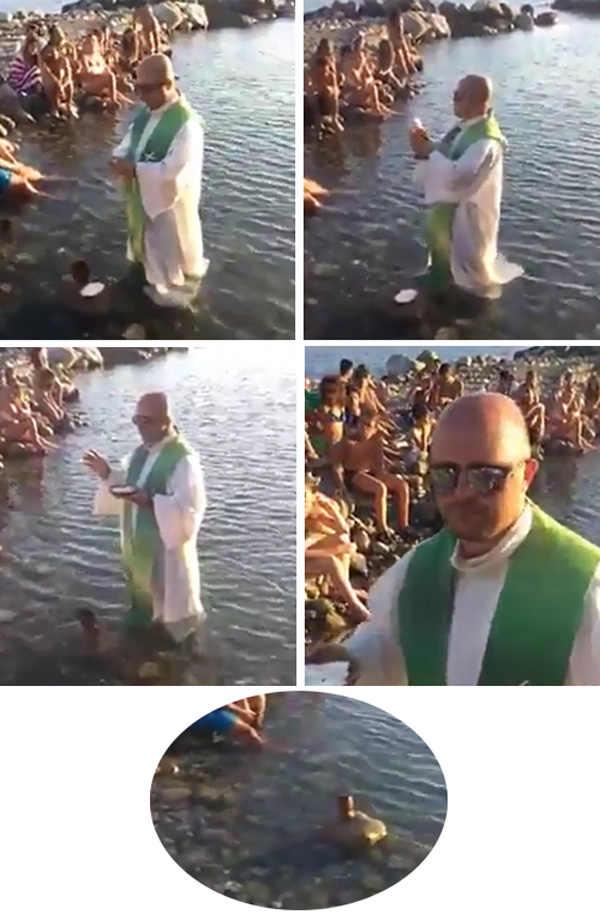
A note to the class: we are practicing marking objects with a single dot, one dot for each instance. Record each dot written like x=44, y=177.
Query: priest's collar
x=513, y=538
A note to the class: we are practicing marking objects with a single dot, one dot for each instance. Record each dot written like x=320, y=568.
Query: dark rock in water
x=545, y=19
x=323, y=619
x=128, y=355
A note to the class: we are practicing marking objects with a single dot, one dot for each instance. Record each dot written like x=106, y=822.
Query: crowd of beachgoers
x=367, y=440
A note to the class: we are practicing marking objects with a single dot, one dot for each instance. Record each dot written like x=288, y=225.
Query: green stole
x=141, y=543
x=157, y=146
x=537, y=617
x=439, y=217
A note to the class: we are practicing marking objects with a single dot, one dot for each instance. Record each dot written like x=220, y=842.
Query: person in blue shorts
x=238, y=720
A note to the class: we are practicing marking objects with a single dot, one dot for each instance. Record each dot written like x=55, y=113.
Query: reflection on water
x=366, y=243
x=240, y=417
x=252, y=829
x=242, y=82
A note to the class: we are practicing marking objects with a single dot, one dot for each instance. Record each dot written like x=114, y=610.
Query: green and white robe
x=159, y=545
x=526, y=612
x=462, y=181
x=163, y=201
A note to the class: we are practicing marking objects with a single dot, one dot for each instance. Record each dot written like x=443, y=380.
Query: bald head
x=473, y=96
x=153, y=417
x=155, y=80
x=481, y=458
x=492, y=423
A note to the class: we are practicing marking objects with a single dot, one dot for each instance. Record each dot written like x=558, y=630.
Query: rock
x=546, y=19
x=169, y=14
x=5, y=17
x=135, y=332
x=372, y=9
x=7, y=616
x=10, y=105
x=398, y=364
x=362, y=541
x=358, y=563
x=525, y=22
x=225, y=17
x=373, y=881
x=258, y=893
x=322, y=616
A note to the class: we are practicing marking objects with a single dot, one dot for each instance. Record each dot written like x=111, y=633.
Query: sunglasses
x=481, y=479
x=148, y=87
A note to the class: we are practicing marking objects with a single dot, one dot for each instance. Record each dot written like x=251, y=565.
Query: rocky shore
x=178, y=17
x=423, y=20
x=326, y=618
x=85, y=358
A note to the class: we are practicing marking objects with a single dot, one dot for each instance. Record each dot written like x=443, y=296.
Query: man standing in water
x=160, y=499
x=503, y=595
x=160, y=160
x=462, y=179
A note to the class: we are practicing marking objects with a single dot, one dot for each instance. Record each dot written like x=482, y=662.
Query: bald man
x=503, y=595
x=461, y=176
x=160, y=508
x=160, y=162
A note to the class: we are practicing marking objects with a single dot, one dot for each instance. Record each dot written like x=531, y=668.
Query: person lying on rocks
x=359, y=464
x=57, y=82
x=227, y=722
x=17, y=180
x=328, y=549
x=528, y=399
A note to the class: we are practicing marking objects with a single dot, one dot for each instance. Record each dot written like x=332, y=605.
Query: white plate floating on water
x=405, y=296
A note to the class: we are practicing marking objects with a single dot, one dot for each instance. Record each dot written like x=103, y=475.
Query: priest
x=160, y=162
x=160, y=499
x=461, y=177
x=503, y=595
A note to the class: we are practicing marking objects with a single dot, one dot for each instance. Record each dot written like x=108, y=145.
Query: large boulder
x=10, y=105
x=372, y=9
x=545, y=19
x=399, y=364
x=169, y=14
x=225, y=17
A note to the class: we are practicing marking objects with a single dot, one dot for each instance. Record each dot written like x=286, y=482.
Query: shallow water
x=242, y=83
x=239, y=414
x=366, y=244
x=262, y=845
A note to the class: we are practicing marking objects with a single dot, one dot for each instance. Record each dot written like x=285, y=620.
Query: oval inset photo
x=298, y=800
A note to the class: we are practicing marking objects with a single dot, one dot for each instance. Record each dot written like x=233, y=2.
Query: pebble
x=400, y=863
x=175, y=794
x=373, y=881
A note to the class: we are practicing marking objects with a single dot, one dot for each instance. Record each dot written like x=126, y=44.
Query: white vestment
x=170, y=192
x=376, y=644
x=179, y=514
x=474, y=182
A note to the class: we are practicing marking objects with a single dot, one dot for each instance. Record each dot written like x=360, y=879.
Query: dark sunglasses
x=482, y=479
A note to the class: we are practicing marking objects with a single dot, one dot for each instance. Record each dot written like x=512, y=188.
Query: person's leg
x=258, y=705
x=401, y=491
x=367, y=483
x=334, y=569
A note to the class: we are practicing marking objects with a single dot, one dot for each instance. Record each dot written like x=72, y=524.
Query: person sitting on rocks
x=406, y=59
x=57, y=81
x=359, y=464
x=359, y=88
x=592, y=396
x=24, y=75
x=384, y=70
x=327, y=421
x=44, y=399
x=18, y=427
x=328, y=549
x=448, y=387
x=324, y=90
x=564, y=423
x=95, y=76
x=149, y=30
x=527, y=398
x=422, y=429
x=506, y=381
x=130, y=51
